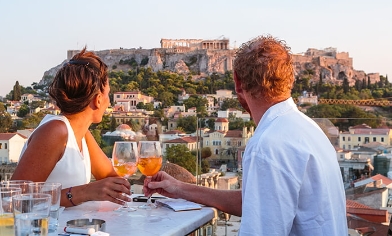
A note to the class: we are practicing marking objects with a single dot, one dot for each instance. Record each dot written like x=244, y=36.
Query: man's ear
x=237, y=82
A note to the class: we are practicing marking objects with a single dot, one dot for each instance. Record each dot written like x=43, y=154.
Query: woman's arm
x=45, y=149
x=101, y=166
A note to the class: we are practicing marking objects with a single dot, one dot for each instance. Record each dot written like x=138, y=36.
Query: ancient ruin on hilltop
x=199, y=58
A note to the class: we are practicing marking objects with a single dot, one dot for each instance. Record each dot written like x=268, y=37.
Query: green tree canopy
x=187, y=123
x=23, y=110
x=5, y=119
x=180, y=155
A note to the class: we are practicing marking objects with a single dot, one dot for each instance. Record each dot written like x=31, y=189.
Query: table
x=161, y=221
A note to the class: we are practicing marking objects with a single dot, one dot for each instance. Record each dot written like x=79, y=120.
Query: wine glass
x=124, y=159
x=150, y=162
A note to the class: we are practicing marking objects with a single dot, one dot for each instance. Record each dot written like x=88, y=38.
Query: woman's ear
x=97, y=101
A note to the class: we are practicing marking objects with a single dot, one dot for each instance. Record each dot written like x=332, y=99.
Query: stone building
x=196, y=44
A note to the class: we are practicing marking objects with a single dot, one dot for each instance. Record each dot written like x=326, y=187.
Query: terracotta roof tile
x=8, y=136
x=385, y=180
x=234, y=133
x=354, y=204
x=182, y=140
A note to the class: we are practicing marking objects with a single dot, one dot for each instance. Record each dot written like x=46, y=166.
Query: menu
x=178, y=204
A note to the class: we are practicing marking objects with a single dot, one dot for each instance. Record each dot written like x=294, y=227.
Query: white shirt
x=74, y=168
x=292, y=183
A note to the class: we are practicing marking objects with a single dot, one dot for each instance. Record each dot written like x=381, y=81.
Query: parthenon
x=215, y=44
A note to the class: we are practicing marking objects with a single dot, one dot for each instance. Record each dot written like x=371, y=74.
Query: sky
x=35, y=35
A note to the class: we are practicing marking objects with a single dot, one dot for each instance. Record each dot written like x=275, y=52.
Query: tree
x=23, y=110
x=97, y=136
x=32, y=120
x=206, y=152
x=231, y=151
x=231, y=103
x=105, y=123
x=16, y=94
x=113, y=124
x=211, y=124
x=187, y=123
x=180, y=155
x=346, y=85
x=5, y=119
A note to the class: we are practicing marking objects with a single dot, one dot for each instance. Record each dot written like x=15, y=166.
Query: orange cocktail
x=125, y=169
x=149, y=166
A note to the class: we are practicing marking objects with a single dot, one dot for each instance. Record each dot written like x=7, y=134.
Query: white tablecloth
x=160, y=221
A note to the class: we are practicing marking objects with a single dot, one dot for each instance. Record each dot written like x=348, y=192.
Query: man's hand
x=163, y=184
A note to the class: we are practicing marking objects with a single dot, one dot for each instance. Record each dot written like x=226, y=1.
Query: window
x=344, y=146
x=344, y=138
x=382, y=139
x=349, y=139
x=366, y=139
x=118, y=95
x=1, y=145
x=359, y=139
x=341, y=156
x=5, y=146
x=374, y=139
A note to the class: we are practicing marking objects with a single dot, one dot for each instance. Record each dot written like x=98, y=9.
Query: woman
x=62, y=148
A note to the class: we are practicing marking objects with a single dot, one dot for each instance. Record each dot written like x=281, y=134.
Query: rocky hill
x=200, y=58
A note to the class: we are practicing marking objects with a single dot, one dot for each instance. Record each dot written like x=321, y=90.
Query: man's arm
x=229, y=201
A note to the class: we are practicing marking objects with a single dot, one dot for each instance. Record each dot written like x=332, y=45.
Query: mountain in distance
x=200, y=58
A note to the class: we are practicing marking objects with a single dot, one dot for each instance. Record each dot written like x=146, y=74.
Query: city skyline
x=37, y=35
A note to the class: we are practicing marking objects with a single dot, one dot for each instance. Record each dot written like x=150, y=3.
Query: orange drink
x=125, y=169
x=7, y=224
x=150, y=165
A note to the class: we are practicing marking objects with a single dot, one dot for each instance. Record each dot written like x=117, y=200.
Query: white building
x=129, y=100
x=11, y=145
x=235, y=113
x=307, y=98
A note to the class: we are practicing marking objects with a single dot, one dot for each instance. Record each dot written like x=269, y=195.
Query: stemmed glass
x=124, y=159
x=150, y=162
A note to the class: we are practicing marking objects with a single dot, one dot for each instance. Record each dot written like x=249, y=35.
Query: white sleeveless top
x=74, y=167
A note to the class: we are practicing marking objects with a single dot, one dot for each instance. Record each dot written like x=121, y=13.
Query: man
x=292, y=183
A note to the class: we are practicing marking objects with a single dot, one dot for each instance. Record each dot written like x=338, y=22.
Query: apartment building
x=362, y=134
x=129, y=100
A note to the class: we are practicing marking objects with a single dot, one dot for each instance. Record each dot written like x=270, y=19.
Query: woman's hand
x=114, y=189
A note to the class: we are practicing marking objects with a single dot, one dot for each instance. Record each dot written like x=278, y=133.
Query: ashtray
x=96, y=224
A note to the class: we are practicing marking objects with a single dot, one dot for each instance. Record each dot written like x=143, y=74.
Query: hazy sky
x=35, y=35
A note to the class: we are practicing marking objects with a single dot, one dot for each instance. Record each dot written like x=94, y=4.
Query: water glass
x=6, y=210
x=31, y=212
x=22, y=184
x=54, y=189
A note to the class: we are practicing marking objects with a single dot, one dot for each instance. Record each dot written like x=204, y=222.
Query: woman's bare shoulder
x=54, y=130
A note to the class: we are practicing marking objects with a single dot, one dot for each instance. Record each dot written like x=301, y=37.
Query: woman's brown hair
x=78, y=82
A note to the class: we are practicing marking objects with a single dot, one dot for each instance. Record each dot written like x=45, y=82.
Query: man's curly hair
x=264, y=67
